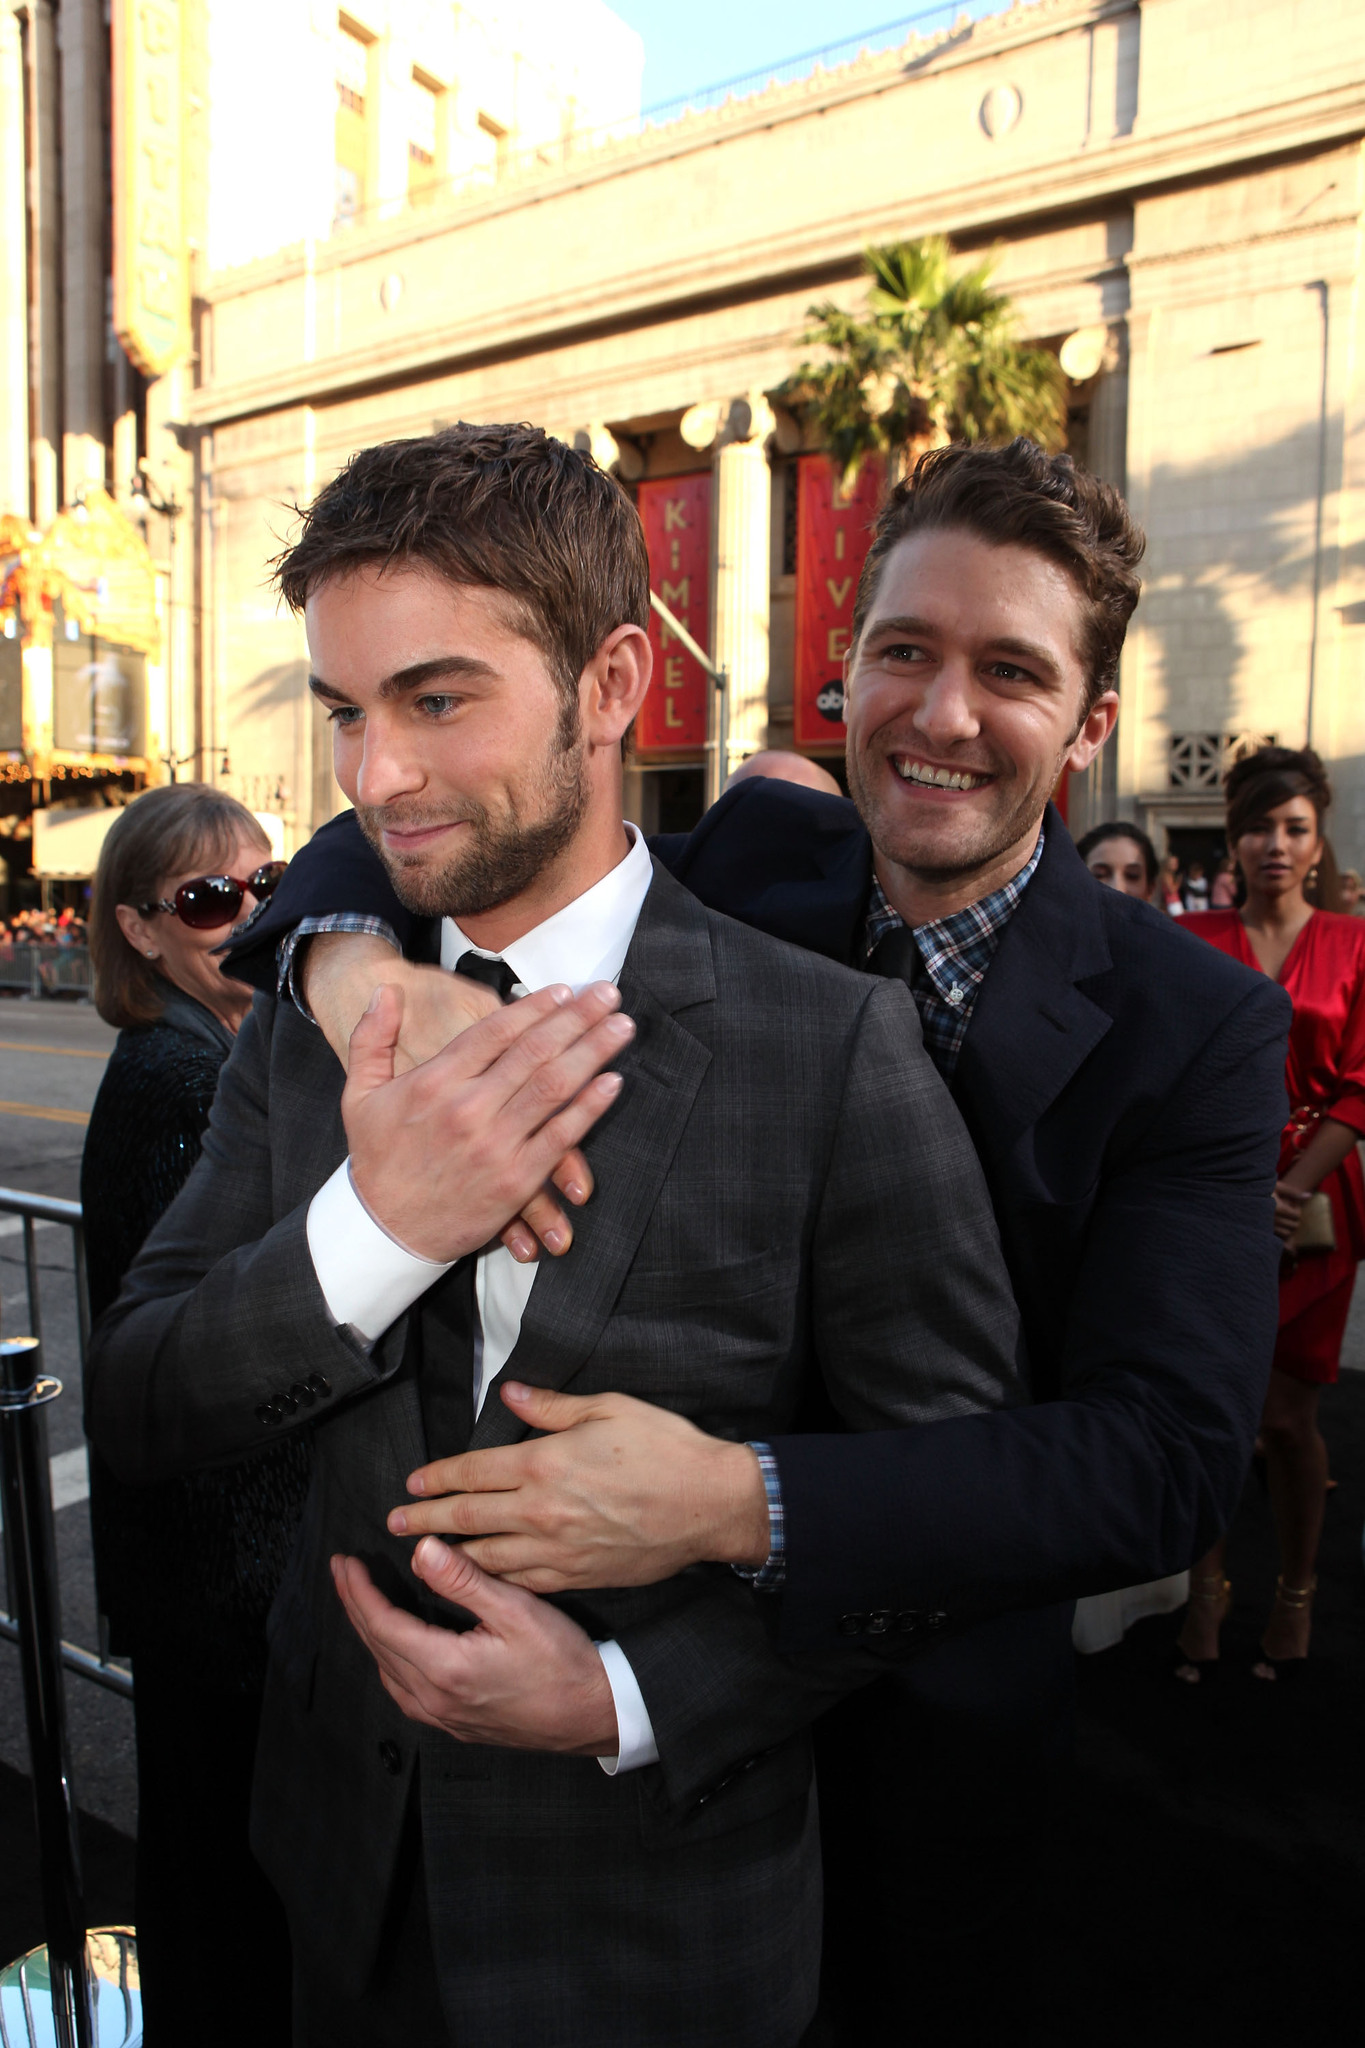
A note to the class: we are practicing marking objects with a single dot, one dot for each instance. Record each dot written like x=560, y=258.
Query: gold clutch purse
x=1316, y=1232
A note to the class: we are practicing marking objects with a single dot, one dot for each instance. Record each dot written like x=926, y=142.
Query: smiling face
x=965, y=696
x=188, y=957
x=463, y=756
x=1279, y=850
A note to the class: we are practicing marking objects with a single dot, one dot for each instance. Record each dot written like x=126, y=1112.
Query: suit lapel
x=1033, y=1026
x=668, y=970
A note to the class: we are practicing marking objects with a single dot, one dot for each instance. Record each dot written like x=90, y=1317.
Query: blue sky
x=694, y=43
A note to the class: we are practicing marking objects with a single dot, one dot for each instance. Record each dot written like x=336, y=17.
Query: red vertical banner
x=676, y=512
x=833, y=534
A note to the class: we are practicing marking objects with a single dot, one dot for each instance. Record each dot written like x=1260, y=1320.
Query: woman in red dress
x=1276, y=801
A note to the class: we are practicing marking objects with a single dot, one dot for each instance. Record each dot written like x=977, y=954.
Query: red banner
x=833, y=534
x=677, y=519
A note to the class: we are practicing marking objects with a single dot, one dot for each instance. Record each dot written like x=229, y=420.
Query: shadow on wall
x=1231, y=553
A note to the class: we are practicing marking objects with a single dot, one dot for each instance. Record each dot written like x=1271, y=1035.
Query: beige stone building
x=1174, y=190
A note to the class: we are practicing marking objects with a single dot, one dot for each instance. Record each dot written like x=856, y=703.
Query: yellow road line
x=68, y=1052
x=52, y=1116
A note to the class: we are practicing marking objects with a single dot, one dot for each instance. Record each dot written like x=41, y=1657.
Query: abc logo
x=830, y=702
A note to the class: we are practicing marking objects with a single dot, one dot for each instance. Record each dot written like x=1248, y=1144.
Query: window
x=494, y=136
x=424, y=135
x=352, y=61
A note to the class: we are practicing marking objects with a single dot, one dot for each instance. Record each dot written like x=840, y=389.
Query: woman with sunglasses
x=185, y=1571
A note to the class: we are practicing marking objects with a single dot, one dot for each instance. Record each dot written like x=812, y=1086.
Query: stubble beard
x=499, y=857
x=986, y=842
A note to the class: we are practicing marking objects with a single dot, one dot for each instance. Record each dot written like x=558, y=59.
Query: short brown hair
x=1019, y=496
x=161, y=833
x=503, y=508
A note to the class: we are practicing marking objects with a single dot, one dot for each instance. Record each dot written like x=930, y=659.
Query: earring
x=1311, y=881
x=151, y=952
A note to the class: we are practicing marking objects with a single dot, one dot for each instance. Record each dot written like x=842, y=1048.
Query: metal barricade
x=45, y=970
x=33, y=1211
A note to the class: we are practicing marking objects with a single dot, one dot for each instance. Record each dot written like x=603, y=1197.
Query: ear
x=138, y=934
x=1096, y=727
x=613, y=685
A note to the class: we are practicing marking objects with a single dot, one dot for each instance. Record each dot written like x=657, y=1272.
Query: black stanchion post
x=31, y=1557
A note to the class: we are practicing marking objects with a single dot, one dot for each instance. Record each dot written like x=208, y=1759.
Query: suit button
x=391, y=1756
x=907, y=1621
x=852, y=1624
x=266, y=1414
x=302, y=1396
x=879, y=1622
x=320, y=1385
x=936, y=1621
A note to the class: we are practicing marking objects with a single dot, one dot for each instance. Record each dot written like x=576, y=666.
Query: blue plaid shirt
x=956, y=951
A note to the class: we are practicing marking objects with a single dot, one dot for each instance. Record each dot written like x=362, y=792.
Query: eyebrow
x=442, y=668
x=1026, y=650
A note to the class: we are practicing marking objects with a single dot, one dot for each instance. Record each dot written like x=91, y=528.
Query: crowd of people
x=789, y=1335
x=43, y=928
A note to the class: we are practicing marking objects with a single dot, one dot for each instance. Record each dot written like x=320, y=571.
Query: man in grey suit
x=496, y=1819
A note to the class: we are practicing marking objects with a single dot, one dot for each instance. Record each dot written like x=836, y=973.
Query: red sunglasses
x=210, y=901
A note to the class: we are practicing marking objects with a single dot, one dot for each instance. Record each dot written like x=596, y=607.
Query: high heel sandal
x=1195, y=1670
x=1277, y=1670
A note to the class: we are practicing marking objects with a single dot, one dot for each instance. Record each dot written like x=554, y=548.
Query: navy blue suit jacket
x=1124, y=1087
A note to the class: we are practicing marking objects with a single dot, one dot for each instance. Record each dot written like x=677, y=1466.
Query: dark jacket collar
x=1034, y=1024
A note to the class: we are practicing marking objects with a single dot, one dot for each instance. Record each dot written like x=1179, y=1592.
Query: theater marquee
x=833, y=533
x=151, y=262
x=676, y=512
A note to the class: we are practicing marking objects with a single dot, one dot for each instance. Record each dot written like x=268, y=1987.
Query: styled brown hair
x=504, y=508
x=1259, y=783
x=161, y=833
x=1020, y=497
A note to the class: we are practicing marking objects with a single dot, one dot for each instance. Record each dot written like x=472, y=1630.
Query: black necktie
x=898, y=957
x=445, y=1360
x=494, y=974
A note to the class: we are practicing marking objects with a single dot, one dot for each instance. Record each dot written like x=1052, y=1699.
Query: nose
x=945, y=715
x=390, y=764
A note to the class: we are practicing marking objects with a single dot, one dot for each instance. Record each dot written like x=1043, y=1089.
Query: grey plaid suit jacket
x=785, y=1194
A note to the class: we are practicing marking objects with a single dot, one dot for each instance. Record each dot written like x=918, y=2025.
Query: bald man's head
x=784, y=767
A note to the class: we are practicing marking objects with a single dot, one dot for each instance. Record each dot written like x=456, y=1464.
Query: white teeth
x=938, y=778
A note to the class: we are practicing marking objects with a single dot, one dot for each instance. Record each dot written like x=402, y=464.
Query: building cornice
x=1119, y=170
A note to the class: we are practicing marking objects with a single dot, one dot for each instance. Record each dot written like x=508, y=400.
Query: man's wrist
x=743, y=1531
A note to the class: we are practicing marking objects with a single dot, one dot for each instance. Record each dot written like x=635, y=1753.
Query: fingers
x=374, y=1042
x=456, y=1578
x=518, y=1037
x=573, y=1178
x=544, y=1408
x=492, y=1471
x=543, y=1221
x=573, y=1122
x=394, y=1639
x=544, y=1215
x=458, y=1514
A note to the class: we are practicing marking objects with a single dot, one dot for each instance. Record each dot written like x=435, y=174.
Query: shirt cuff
x=634, y=1730
x=773, y=1571
x=368, y=1279
x=287, y=961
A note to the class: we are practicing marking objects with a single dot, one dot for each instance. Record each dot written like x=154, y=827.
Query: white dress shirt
x=368, y=1279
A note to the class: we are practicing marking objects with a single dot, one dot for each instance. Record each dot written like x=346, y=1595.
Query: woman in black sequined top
x=187, y=1570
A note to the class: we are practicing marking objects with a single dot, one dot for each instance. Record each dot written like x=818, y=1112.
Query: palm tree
x=937, y=358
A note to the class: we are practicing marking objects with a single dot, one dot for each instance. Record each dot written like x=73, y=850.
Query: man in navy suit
x=1124, y=1089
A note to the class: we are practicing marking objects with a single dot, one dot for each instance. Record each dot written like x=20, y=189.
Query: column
x=45, y=250
x=85, y=54
x=14, y=453
x=743, y=575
